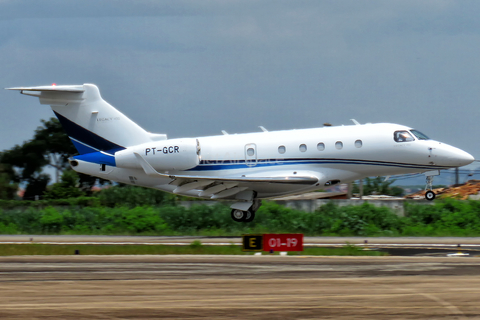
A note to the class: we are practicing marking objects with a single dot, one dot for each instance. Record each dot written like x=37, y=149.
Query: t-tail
x=93, y=125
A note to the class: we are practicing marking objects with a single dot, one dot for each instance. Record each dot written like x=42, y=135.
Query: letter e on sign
x=252, y=242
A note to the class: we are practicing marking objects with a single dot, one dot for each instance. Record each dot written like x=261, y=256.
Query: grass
x=195, y=247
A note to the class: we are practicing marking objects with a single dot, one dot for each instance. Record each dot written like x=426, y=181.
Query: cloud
x=192, y=68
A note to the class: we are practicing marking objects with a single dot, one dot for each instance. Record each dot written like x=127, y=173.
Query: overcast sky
x=194, y=68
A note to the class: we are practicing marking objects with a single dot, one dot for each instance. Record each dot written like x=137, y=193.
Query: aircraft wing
x=149, y=170
x=187, y=182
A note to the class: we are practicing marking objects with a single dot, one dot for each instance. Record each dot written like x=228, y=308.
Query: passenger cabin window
x=402, y=136
x=321, y=146
x=358, y=143
x=281, y=149
x=419, y=135
x=303, y=147
x=339, y=145
x=250, y=152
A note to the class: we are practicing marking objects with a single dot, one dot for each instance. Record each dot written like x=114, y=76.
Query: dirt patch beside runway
x=192, y=287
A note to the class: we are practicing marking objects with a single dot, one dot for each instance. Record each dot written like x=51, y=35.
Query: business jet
x=244, y=168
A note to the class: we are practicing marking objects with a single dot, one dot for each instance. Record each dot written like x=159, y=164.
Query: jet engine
x=165, y=155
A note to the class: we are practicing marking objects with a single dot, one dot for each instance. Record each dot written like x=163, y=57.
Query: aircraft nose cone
x=463, y=158
x=459, y=158
x=450, y=156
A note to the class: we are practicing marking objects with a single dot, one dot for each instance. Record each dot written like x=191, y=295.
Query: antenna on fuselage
x=263, y=128
x=225, y=132
x=356, y=122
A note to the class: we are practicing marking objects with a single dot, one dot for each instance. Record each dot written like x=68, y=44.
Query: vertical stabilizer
x=91, y=123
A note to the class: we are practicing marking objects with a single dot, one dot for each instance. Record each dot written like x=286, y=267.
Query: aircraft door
x=251, y=154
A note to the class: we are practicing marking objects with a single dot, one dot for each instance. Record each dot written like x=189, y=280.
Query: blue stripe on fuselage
x=108, y=158
x=98, y=157
x=207, y=165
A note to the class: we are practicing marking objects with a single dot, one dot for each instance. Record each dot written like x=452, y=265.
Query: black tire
x=430, y=195
x=249, y=216
x=238, y=215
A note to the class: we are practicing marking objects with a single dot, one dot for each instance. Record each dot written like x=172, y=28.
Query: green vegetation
x=116, y=196
x=194, y=248
x=162, y=216
x=49, y=147
x=84, y=249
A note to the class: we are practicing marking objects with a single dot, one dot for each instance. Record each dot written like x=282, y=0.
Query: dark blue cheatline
x=240, y=164
x=99, y=157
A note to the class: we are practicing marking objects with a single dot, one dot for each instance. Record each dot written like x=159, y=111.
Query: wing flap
x=302, y=180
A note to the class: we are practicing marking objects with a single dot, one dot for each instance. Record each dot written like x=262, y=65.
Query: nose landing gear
x=429, y=194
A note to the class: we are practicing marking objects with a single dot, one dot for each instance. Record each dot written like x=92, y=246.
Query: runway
x=238, y=287
x=395, y=246
x=181, y=240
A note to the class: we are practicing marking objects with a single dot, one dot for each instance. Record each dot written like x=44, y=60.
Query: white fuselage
x=338, y=154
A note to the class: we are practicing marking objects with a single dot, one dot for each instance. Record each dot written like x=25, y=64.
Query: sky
x=193, y=68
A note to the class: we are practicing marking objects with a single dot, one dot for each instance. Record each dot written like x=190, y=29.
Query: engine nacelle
x=165, y=155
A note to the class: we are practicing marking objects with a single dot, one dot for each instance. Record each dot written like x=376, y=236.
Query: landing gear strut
x=429, y=194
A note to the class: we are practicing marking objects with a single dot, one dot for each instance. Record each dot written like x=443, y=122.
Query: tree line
x=24, y=165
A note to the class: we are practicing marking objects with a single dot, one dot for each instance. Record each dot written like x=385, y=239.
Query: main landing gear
x=243, y=216
x=429, y=194
x=245, y=211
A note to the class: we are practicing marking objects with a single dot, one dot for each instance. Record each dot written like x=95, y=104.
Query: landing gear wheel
x=242, y=216
x=250, y=215
x=429, y=195
x=238, y=215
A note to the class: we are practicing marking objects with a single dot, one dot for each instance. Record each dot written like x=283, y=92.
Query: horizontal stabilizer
x=73, y=89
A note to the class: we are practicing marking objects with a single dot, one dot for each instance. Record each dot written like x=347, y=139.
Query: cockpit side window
x=419, y=135
x=402, y=136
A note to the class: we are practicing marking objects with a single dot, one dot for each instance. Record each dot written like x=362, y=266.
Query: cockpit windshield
x=402, y=136
x=419, y=135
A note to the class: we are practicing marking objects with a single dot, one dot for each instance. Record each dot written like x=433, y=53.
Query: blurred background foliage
x=116, y=212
